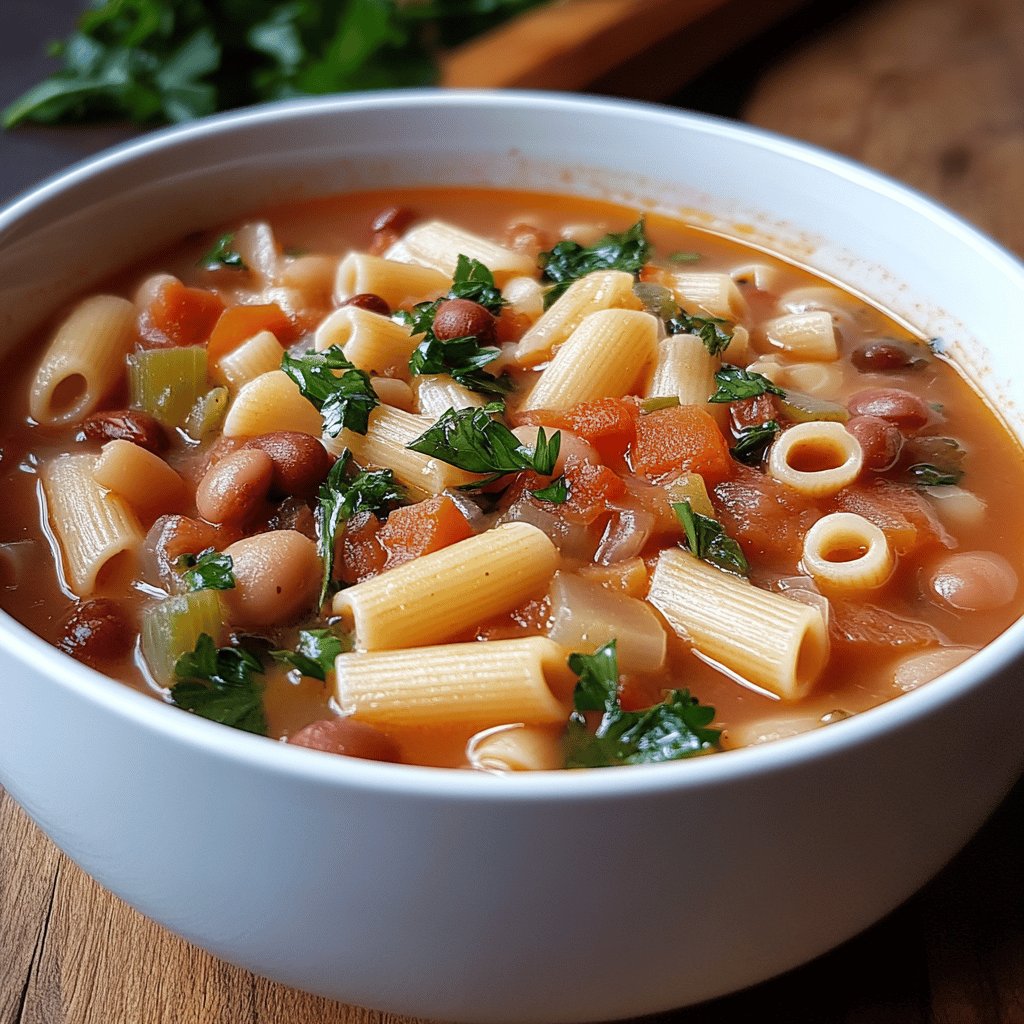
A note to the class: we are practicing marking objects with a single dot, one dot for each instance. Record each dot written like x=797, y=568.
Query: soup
x=501, y=481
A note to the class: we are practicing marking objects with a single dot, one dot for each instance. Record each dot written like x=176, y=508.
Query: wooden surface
x=927, y=90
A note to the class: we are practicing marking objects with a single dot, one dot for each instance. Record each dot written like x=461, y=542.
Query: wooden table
x=927, y=90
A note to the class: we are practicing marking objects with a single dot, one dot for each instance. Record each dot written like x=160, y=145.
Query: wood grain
x=929, y=91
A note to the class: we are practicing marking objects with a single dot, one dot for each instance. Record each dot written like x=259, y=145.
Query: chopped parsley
x=556, y=492
x=674, y=729
x=753, y=442
x=217, y=683
x=209, y=570
x=708, y=541
x=340, y=498
x=345, y=401
x=735, y=384
x=315, y=652
x=707, y=328
x=926, y=475
x=933, y=461
x=473, y=281
x=568, y=261
x=221, y=255
x=473, y=440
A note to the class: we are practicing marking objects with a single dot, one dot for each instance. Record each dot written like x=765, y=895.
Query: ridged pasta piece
x=140, y=477
x=384, y=445
x=516, y=748
x=93, y=526
x=398, y=284
x=810, y=335
x=84, y=362
x=436, y=596
x=472, y=685
x=846, y=551
x=268, y=403
x=372, y=342
x=604, y=289
x=259, y=355
x=764, y=638
x=438, y=244
x=608, y=355
x=716, y=294
x=684, y=370
x=817, y=458
x=437, y=393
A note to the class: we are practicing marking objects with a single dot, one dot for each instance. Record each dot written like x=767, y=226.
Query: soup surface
x=503, y=481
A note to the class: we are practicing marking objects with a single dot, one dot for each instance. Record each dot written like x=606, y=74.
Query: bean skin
x=460, y=318
x=973, y=581
x=393, y=218
x=300, y=461
x=369, y=301
x=232, y=488
x=907, y=411
x=127, y=425
x=885, y=354
x=97, y=631
x=880, y=441
x=344, y=736
x=277, y=575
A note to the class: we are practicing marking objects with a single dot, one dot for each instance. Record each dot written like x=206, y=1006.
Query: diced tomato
x=591, y=488
x=752, y=412
x=856, y=623
x=421, y=528
x=240, y=323
x=182, y=316
x=681, y=438
x=767, y=518
x=899, y=511
x=360, y=555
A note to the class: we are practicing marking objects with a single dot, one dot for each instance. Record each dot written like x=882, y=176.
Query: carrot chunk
x=183, y=316
x=683, y=437
x=591, y=488
x=240, y=323
x=609, y=424
x=359, y=554
x=421, y=528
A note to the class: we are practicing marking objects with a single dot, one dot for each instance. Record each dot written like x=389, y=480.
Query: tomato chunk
x=183, y=316
x=359, y=554
x=683, y=437
x=240, y=323
x=591, y=488
x=421, y=528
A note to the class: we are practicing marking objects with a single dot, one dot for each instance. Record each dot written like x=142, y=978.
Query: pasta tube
x=398, y=284
x=438, y=244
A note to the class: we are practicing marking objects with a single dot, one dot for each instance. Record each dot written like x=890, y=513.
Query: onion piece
x=625, y=536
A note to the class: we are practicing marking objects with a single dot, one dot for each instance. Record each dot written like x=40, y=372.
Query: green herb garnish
x=345, y=401
x=315, y=652
x=926, y=475
x=674, y=729
x=473, y=440
x=708, y=541
x=707, y=328
x=557, y=492
x=221, y=254
x=735, y=384
x=209, y=570
x=568, y=261
x=217, y=683
x=340, y=498
x=753, y=442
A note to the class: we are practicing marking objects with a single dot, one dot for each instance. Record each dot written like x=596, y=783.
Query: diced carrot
x=360, y=554
x=240, y=323
x=184, y=316
x=590, y=490
x=627, y=577
x=609, y=424
x=683, y=437
x=421, y=528
x=899, y=511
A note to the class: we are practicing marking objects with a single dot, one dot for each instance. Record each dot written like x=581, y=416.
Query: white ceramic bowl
x=556, y=896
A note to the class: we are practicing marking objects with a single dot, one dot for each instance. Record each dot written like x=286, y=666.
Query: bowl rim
x=313, y=767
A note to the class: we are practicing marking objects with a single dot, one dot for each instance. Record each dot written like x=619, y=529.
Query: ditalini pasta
x=500, y=482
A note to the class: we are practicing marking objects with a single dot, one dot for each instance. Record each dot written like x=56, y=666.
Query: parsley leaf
x=473, y=281
x=473, y=440
x=706, y=539
x=345, y=401
x=568, y=261
x=340, y=498
x=933, y=461
x=735, y=384
x=674, y=729
x=707, y=328
x=315, y=652
x=556, y=492
x=753, y=442
x=926, y=475
x=209, y=570
x=217, y=683
x=221, y=254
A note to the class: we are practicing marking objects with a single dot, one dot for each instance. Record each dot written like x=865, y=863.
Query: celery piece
x=167, y=382
x=659, y=402
x=207, y=414
x=803, y=408
x=172, y=628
